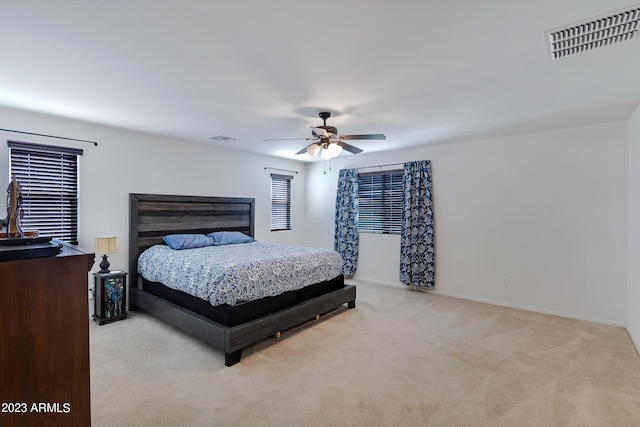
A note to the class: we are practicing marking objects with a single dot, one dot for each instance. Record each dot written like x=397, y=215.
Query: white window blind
x=380, y=199
x=48, y=177
x=280, y=202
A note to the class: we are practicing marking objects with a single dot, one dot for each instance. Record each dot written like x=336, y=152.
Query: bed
x=228, y=327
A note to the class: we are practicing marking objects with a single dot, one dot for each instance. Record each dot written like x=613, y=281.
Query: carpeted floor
x=401, y=358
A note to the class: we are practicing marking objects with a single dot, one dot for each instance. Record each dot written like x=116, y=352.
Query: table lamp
x=105, y=246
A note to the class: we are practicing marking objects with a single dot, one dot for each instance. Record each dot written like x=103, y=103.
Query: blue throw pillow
x=187, y=241
x=229, y=238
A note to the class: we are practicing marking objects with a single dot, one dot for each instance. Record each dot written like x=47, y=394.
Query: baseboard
x=380, y=282
x=533, y=309
x=634, y=340
x=501, y=304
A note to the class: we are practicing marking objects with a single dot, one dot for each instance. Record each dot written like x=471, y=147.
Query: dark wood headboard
x=153, y=216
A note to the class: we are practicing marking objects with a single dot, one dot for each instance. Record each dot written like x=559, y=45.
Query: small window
x=280, y=202
x=380, y=199
x=48, y=177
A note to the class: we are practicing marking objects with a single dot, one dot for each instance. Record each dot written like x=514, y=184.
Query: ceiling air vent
x=222, y=138
x=593, y=33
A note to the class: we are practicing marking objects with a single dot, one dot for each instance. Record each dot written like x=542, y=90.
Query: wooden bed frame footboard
x=232, y=340
x=153, y=216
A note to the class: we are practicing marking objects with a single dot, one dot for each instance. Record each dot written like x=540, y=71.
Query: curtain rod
x=380, y=166
x=283, y=170
x=50, y=136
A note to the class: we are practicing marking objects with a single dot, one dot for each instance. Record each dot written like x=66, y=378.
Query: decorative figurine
x=14, y=209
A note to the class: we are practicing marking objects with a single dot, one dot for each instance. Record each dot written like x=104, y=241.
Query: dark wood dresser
x=44, y=340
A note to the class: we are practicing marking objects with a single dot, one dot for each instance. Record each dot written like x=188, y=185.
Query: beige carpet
x=401, y=358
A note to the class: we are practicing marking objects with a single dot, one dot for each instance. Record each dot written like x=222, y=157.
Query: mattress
x=238, y=273
x=240, y=313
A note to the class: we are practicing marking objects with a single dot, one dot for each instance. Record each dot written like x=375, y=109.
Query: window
x=48, y=177
x=280, y=202
x=380, y=199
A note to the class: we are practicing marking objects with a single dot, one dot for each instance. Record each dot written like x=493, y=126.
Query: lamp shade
x=324, y=154
x=313, y=150
x=106, y=245
x=329, y=151
x=334, y=150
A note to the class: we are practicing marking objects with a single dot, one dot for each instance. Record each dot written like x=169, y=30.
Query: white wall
x=633, y=298
x=548, y=210
x=127, y=162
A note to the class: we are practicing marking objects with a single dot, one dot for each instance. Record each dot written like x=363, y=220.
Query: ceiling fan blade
x=368, y=136
x=286, y=139
x=349, y=148
x=304, y=150
x=319, y=132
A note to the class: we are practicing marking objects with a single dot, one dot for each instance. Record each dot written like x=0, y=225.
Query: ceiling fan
x=328, y=143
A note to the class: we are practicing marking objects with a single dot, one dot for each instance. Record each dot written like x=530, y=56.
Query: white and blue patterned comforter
x=237, y=273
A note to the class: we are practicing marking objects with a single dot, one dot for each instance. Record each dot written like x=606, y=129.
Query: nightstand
x=110, y=296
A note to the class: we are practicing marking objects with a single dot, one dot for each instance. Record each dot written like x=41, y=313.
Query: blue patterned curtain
x=417, y=240
x=346, y=227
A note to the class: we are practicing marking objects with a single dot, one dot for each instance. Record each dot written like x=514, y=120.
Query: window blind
x=48, y=177
x=280, y=202
x=380, y=198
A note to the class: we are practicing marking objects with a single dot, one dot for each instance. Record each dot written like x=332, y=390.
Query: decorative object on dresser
x=13, y=222
x=16, y=243
x=230, y=327
x=110, y=296
x=44, y=340
x=14, y=209
x=105, y=246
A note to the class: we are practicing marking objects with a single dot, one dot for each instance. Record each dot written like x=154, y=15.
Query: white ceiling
x=419, y=71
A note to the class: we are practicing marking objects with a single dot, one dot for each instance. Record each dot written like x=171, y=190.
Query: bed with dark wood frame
x=152, y=216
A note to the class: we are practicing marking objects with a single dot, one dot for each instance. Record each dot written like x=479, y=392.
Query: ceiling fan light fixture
x=313, y=150
x=328, y=143
x=334, y=150
x=325, y=155
x=329, y=151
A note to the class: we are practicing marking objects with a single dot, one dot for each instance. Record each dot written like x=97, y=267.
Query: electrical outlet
x=505, y=281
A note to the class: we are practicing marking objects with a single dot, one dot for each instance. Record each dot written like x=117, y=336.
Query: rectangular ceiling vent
x=222, y=138
x=593, y=33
